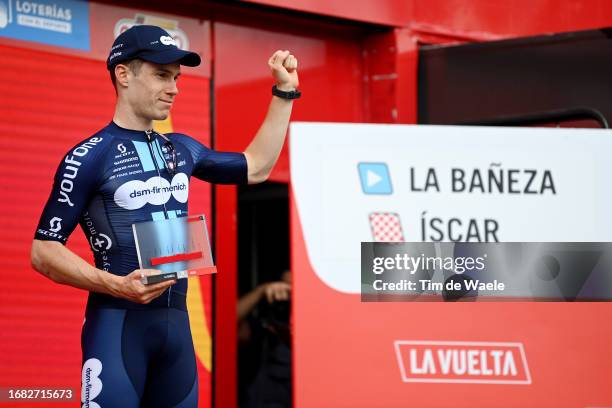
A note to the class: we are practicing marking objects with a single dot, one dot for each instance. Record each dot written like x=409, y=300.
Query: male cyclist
x=136, y=341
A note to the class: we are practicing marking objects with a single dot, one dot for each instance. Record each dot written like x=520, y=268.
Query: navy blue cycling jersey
x=133, y=355
x=116, y=178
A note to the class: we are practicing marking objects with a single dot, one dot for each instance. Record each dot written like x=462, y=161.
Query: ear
x=122, y=75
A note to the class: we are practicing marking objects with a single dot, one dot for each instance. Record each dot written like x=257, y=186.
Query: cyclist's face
x=153, y=89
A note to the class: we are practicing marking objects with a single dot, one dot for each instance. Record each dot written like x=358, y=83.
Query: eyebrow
x=167, y=71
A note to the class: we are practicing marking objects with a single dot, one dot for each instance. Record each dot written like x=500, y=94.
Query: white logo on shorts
x=91, y=385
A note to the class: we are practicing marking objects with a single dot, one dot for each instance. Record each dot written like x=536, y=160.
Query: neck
x=126, y=118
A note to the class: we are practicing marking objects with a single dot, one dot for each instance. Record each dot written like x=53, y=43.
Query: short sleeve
x=76, y=179
x=213, y=166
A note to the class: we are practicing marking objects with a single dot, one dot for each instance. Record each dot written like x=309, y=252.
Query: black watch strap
x=295, y=94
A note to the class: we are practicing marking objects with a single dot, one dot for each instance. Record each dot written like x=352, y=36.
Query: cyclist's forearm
x=58, y=263
x=263, y=151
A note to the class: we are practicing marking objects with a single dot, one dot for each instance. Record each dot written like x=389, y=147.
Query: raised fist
x=284, y=70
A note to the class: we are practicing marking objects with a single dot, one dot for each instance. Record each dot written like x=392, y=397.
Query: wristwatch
x=295, y=94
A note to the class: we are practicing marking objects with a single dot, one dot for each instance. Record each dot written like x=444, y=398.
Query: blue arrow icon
x=375, y=178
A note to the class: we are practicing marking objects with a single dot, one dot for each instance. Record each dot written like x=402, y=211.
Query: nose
x=173, y=89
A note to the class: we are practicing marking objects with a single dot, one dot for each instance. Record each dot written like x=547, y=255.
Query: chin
x=162, y=116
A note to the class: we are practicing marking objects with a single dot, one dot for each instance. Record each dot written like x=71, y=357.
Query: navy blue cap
x=149, y=43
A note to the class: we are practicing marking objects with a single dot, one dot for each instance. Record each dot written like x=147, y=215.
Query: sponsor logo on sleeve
x=101, y=242
x=55, y=224
x=71, y=169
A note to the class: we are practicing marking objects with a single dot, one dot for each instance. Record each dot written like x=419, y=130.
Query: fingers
x=283, y=66
x=160, y=286
x=154, y=288
x=141, y=273
x=283, y=59
x=278, y=58
x=278, y=291
x=147, y=293
x=149, y=296
x=140, y=293
x=290, y=63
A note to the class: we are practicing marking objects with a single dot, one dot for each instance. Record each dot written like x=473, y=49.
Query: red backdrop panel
x=331, y=72
x=345, y=356
x=472, y=19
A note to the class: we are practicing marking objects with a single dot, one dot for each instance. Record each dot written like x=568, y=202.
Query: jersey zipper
x=149, y=142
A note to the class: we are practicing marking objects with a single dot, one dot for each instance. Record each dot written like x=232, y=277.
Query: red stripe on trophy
x=175, y=258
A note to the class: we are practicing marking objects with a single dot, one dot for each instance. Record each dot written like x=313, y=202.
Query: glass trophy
x=178, y=248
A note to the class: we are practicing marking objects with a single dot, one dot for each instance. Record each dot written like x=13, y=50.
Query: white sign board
x=362, y=182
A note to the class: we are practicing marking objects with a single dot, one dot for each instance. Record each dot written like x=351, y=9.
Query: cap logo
x=167, y=40
x=115, y=54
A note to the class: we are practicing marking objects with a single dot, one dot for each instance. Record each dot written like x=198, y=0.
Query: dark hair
x=134, y=65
